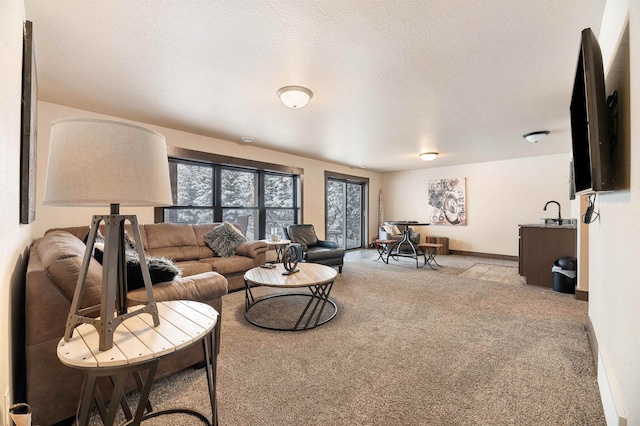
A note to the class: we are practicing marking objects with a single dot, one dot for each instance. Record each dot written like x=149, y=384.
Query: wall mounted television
x=590, y=121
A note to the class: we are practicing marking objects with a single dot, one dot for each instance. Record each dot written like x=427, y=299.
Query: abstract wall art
x=447, y=203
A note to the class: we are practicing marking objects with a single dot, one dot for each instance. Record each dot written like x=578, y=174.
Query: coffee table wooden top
x=310, y=274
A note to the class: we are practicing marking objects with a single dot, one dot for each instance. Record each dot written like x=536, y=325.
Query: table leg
x=279, y=253
x=320, y=294
x=212, y=373
x=406, y=237
x=118, y=375
x=249, y=300
x=430, y=257
x=390, y=249
x=211, y=359
x=311, y=314
x=382, y=249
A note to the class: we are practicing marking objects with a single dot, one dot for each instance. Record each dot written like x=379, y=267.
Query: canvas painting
x=447, y=204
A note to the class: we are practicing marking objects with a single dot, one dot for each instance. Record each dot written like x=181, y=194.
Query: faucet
x=559, y=210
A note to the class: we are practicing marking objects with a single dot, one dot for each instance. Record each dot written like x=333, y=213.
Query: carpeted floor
x=407, y=347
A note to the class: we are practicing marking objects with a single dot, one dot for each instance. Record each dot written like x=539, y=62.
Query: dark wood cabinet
x=540, y=246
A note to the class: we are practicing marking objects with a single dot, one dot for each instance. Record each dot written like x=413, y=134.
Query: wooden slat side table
x=138, y=346
x=279, y=247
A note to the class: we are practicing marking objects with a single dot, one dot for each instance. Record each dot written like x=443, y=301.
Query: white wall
x=614, y=240
x=15, y=237
x=500, y=196
x=313, y=180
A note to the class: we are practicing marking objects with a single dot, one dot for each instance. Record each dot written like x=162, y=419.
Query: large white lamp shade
x=94, y=162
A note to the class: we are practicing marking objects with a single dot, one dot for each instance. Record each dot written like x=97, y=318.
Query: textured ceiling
x=390, y=78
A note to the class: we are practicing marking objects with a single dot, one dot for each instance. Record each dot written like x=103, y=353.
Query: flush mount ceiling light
x=428, y=156
x=295, y=96
x=535, y=137
x=247, y=139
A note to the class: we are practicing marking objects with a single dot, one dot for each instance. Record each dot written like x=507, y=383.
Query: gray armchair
x=315, y=250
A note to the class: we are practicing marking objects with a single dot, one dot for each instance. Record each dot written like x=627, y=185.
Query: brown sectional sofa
x=54, y=261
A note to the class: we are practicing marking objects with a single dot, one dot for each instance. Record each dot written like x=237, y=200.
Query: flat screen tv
x=590, y=121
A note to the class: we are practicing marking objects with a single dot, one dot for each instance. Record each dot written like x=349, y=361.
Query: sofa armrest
x=199, y=287
x=252, y=249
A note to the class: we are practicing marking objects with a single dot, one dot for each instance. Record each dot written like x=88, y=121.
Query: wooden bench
x=430, y=250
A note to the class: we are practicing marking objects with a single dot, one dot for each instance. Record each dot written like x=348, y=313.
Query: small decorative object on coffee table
x=290, y=260
x=272, y=315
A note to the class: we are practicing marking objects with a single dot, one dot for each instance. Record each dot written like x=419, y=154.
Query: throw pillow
x=388, y=229
x=224, y=239
x=161, y=269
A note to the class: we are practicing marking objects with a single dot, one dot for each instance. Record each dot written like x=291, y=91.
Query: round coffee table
x=315, y=277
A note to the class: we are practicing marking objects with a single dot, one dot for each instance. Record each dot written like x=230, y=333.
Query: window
x=279, y=199
x=191, y=186
x=211, y=188
x=239, y=199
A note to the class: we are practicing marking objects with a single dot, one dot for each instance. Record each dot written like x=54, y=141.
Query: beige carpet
x=408, y=347
x=498, y=273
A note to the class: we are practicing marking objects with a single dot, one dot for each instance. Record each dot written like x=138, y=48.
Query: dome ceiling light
x=428, y=156
x=295, y=96
x=535, y=137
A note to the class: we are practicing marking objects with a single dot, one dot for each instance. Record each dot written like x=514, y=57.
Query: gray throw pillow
x=224, y=239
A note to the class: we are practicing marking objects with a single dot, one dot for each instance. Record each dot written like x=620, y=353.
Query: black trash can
x=564, y=275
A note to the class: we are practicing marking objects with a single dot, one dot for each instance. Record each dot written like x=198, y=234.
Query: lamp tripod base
x=113, y=307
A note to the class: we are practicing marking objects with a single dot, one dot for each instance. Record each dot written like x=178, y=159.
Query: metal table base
x=309, y=318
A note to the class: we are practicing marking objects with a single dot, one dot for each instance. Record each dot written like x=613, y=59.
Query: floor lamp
x=94, y=162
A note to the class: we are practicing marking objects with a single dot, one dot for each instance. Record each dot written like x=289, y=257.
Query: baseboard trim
x=593, y=342
x=582, y=295
x=486, y=255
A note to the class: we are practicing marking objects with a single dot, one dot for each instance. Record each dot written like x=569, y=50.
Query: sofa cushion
x=193, y=267
x=230, y=265
x=173, y=241
x=199, y=287
x=223, y=239
x=61, y=255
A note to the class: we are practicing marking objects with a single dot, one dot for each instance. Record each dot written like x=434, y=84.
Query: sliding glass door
x=345, y=218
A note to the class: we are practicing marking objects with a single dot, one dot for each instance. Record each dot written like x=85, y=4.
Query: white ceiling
x=391, y=78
